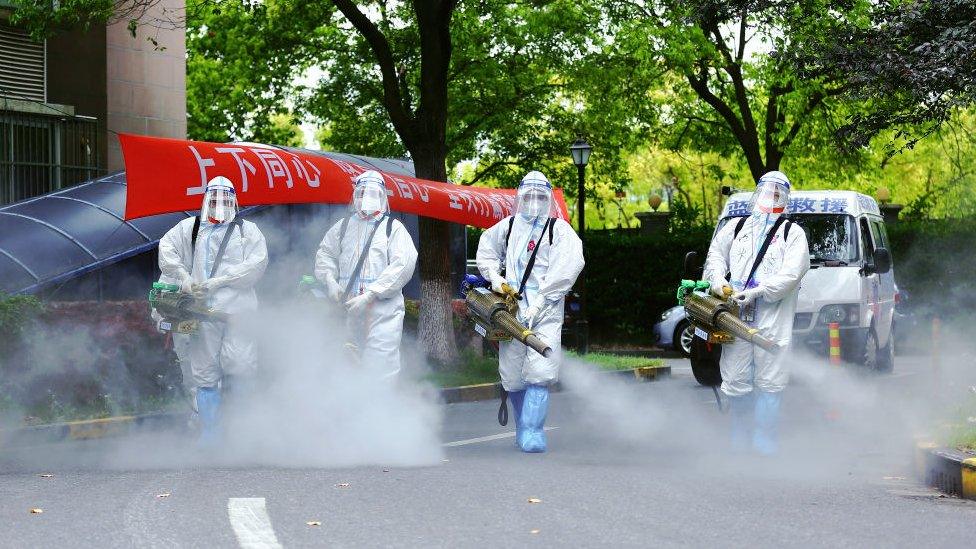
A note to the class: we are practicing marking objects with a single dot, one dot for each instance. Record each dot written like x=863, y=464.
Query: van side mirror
x=692, y=267
x=882, y=260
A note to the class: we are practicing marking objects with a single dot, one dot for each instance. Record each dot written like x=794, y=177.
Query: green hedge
x=632, y=278
x=935, y=263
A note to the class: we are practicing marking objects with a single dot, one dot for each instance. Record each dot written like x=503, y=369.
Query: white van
x=850, y=280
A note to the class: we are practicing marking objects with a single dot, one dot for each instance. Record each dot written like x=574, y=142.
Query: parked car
x=674, y=331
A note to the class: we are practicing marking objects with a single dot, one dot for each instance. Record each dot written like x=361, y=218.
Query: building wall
x=146, y=84
x=76, y=72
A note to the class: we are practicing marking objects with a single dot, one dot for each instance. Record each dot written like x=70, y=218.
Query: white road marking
x=488, y=438
x=251, y=523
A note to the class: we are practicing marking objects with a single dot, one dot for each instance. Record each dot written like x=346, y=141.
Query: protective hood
x=219, y=201
x=369, y=195
x=772, y=194
x=534, y=199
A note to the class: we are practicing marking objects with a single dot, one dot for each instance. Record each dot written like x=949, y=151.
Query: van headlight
x=667, y=314
x=845, y=315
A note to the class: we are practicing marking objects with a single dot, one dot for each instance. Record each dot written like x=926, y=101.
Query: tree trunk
x=436, y=330
x=773, y=158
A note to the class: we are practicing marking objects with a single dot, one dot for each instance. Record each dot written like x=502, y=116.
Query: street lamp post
x=580, y=150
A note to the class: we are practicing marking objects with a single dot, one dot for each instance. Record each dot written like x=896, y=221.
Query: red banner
x=170, y=175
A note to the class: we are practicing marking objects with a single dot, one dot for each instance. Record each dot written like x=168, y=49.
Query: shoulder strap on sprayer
x=193, y=235
x=345, y=223
x=738, y=227
x=362, y=258
x=342, y=229
x=511, y=221
x=742, y=221
x=193, y=239
x=535, y=252
x=223, y=243
x=765, y=246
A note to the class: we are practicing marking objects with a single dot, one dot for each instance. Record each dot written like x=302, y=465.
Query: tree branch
x=489, y=170
x=773, y=114
x=742, y=37
x=749, y=146
x=815, y=101
x=384, y=58
x=734, y=70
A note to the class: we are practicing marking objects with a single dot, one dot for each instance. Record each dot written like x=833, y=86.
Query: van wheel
x=886, y=356
x=870, y=352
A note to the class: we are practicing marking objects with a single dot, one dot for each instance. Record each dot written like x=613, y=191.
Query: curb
x=88, y=429
x=492, y=391
x=950, y=471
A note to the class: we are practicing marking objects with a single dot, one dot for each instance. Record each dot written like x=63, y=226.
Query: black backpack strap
x=786, y=230
x=193, y=239
x=362, y=259
x=193, y=235
x=765, y=246
x=342, y=229
x=223, y=243
x=535, y=252
x=511, y=221
x=389, y=226
x=738, y=227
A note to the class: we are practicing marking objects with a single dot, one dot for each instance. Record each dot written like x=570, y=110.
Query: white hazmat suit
x=767, y=302
x=217, y=349
x=374, y=300
x=508, y=246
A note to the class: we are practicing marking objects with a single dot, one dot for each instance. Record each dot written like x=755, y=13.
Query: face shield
x=219, y=202
x=772, y=194
x=534, y=198
x=369, y=196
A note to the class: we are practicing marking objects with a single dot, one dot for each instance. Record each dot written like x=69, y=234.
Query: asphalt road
x=629, y=465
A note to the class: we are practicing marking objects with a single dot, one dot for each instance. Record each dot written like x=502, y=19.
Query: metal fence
x=41, y=153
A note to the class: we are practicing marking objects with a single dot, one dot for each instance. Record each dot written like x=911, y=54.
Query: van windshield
x=832, y=237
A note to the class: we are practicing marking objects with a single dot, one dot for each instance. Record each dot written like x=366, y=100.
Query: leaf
x=46, y=475
x=342, y=485
x=36, y=511
x=535, y=500
x=533, y=531
x=163, y=495
x=314, y=523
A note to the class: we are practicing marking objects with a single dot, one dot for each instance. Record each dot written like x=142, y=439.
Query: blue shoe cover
x=535, y=406
x=740, y=414
x=765, y=440
x=208, y=404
